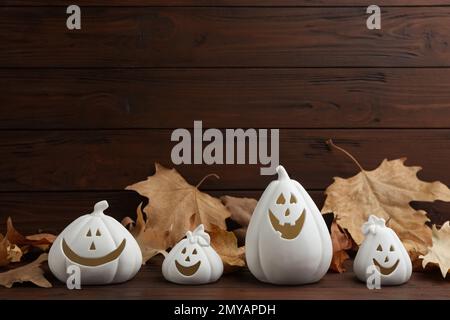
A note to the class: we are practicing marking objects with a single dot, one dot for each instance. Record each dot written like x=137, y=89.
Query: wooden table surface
x=150, y=284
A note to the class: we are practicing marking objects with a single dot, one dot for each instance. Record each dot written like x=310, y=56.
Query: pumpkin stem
x=330, y=143
x=206, y=177
x=101, y=206
x=282, y=174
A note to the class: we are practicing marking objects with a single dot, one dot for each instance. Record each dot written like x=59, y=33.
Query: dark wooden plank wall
x=231, y=3
x=85, y=113
x=225, y=37
x=261, y=98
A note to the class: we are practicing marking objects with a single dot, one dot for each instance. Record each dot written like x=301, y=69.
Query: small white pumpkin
x=287, y=240
x=383, y=249
x=100, y=246
x=193, y=260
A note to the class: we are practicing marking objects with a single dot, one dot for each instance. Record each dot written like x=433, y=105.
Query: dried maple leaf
x=226, y=245
x=41, y=241
x=341, y=242
x=129, y=223
x=439, y=253
x=8, y=252
x=385, y=192
x=13, y=235
x=14, y=253
x=241, y=210
x=146, y=238
x=30, y=272
x=174, y=208
x=4, y=258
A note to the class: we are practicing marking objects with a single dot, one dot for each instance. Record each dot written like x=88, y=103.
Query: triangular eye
x=392, y=248
x=293, y=199
x=379, y=248
x=183, y=251
x=98, y=234
x=89, y=234
x=195, y=251
x=281, y=199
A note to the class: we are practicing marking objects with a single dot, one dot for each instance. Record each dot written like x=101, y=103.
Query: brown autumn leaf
x=174, y=207
x=14, y=253
x=146, y=238
x=9, y=252
x=439, y=252
x=226, y=245
x=4, y=258
x=30, y=272
x=129, y=223
x=41, y=241
x=241, y=210
x=13, y=235
x=341, y=242
x=385, y=192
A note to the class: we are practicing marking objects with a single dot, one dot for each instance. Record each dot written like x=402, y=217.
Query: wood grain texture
x=259, y=98
x=111, y=160
x=34, y=212
x=150, y=284
x=233, y=3
x=224, y=37
x=53, y=211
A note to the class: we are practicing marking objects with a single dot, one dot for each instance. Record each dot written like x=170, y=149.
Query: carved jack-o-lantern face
x=386, y=259
x=287, y=240
x=382, y=249
x=90, y=256
x=193, y=260
x=99, y=245
x=287, y=217
x=189, y=261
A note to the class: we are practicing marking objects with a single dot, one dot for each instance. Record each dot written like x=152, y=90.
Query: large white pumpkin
x=193, y=260
x=383, y=249
x=287, y=240
x=100, y=246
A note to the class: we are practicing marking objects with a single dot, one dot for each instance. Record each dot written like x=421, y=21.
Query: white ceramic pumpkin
x=100, y=246
x=383, y=249
x=287, y=240
x=193, y=260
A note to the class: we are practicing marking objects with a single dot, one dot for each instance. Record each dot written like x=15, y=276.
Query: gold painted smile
x=288, y=231
x=93, y=262
x=383, y=270
x=187, y=271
